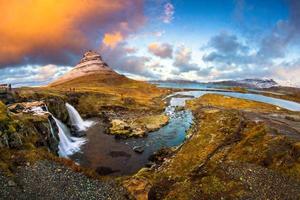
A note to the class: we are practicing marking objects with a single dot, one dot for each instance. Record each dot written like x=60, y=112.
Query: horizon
x=152, y=40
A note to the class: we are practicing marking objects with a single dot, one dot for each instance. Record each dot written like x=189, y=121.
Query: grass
x=221, y=135
x=232, y=103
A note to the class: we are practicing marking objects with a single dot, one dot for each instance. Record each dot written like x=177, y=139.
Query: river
x=102, y=150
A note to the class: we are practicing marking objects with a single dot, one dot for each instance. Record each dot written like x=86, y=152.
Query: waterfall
x=76, y=119
x=68, y=145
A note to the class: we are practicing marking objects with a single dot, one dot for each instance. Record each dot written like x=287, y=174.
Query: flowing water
x=102, y=150
x=76, y=119
x=68, y=145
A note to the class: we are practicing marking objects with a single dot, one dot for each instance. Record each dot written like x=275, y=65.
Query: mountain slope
x=90, y=66
x=93, y=77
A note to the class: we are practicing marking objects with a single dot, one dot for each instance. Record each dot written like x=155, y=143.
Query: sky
x=198, y=40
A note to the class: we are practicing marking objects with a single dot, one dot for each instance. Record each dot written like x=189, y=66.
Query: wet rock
x=17, y=109
x=57, y=107
x=105, y=170
x=159, y=156
x=76, y=132
x=138, y=149
x=115, y=154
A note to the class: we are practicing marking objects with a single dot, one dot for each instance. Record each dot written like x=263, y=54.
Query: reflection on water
x=290, y=105
x=106, y=151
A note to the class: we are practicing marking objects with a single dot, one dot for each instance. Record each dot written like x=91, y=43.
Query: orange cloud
x=112, y=39
x=42, y=31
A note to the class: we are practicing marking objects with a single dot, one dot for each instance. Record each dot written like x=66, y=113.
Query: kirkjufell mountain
x=89, y=71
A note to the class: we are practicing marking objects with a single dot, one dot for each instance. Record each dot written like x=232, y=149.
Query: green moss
x=212, y=184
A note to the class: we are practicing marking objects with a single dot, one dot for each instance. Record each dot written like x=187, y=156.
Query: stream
x=103, y=151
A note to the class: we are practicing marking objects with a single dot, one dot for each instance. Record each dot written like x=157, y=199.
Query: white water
x=68, y=145
x=76, y=119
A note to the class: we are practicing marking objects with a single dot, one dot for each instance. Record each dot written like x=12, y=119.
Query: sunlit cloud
x=112, y=39
x=58, y=32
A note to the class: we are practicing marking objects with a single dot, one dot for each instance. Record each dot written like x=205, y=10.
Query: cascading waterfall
x=76, y=119
x=68, y=145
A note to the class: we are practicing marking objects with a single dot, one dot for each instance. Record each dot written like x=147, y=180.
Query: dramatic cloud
x=227, y=49
x=163, y=50
x=58, y=32
x=112, y=39
x=169, y=11
x=284, y=34
x=120, y=59
x=31, y=75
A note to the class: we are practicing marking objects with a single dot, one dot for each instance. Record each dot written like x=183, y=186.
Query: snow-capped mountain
x=249, y=83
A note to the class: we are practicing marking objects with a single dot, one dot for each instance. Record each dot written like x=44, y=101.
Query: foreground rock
x=48, y=180
x=235, y=152
x=138, y=127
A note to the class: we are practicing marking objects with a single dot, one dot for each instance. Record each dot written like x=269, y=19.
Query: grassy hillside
x=236, y=151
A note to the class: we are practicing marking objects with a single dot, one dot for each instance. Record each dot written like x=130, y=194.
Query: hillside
x=92, y=86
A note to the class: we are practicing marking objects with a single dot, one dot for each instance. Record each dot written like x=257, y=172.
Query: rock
x=159, y=156
x=105, y=170
x=15, y=140
x=77, y=133
x=11, y=183
x=115, y=154
x=119, y=127
x=138, y=149
x=17, y=109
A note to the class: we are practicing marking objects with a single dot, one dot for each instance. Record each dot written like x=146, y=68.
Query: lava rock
x=138, y=149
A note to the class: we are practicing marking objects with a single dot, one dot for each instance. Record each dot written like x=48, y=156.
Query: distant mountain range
x=247, y=83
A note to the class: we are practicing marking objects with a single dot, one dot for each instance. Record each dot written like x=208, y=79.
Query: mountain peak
x=90, y=55
x=90, y=64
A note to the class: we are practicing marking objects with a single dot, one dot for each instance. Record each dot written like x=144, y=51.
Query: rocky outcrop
x=22, y=126
x=138, y=127
x=57, y=107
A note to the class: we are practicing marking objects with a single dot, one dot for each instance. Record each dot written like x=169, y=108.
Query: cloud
x=126, y=62
x=287, y=73
x=163, y=50
x=226, y=52
x=284, y=34
x=169, y=11
x=226, y=43
x=31, y=75
x=112, y=39
x=43, y=32
x=182, y=60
